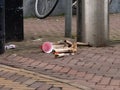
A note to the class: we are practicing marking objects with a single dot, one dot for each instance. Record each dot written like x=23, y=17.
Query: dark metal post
x=14, y=20
x=79, y=20
x=2, y=26
x=68, y=18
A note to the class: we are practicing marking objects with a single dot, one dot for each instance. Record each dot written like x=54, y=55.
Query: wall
x=115, y=6
x=29, y=7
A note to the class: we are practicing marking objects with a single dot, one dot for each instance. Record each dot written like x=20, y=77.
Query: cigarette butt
x=58, y=46
x=59, y=55
x=82, y=44
x=62, y=50
x=62, y=55
x=68, y=42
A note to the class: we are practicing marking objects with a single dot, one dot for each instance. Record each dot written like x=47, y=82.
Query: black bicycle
x=44, y=8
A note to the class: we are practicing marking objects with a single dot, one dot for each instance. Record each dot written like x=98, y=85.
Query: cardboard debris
x=64, y=48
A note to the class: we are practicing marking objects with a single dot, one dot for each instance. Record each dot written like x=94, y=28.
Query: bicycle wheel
x=44, y=8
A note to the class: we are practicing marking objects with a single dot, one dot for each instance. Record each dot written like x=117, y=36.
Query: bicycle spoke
x=44, y=7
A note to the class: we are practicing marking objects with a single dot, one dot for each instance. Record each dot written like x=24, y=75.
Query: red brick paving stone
x=66, y=60
x=44, y=87
x=99, y=87
x=57, y=68
x=115, y=66
x=89, y=76
x=4, y=55
x=115, y=82
x=11, y=56
x=110, y=59
x=88, y=65
x=48, y=67
x=117, y=61
x=107, y=65
x=66, y=76
x=80, y=63
x=81, y=74
x=17, y=58
x=65, y=69
x=104, y=68
x=112, y=87
x=83, y=53
x=43, y=64
x=96, y=79
x=117, y=52
x=73, y=62
x=84, y=83
x=28, y=62
x=89, y=84
x=113, y=71
x=35, y=63
x=94, y=71
x=117, y=88
x=105, y=81
x=90, y=55
x=116, y=56
x=36, y=84
x=5, y=88
x=22, y=79
x=49, y=72
x=72, y=72
x=96, y=66
x=96, y=57
x=56, y=88
x=104, y=89
x=7, y=75
x=15, y=77
x=78, y=56
x=1, y=86
x=29, y=82
x=103, y=58
x=2, y=73
x=23, y=60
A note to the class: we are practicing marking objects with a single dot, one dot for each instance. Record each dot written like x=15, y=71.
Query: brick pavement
x=19, y=79
x=97, y=68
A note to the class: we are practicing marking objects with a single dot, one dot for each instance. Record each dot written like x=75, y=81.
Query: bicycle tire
x=44, y=8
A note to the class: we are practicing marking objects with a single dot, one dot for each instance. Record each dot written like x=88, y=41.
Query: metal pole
x=79, y=20
x=14, y=13
x=2, y=26
x=94, y=21
x=68, y=18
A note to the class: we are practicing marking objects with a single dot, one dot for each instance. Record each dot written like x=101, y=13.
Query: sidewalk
x=91, y=67
x=20, y=79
